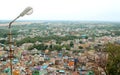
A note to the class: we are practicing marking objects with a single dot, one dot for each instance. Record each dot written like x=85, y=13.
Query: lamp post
x=27, y=11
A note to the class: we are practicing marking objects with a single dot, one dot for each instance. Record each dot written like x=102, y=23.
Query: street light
x=26, y=11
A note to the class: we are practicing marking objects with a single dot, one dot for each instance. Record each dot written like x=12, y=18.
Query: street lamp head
x=27, y=11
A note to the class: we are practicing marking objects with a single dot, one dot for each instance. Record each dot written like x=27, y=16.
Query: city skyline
x=90, y=10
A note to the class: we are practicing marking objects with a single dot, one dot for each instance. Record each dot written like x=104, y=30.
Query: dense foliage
x=3, y=33
x=113, y=64
x=50, y=47
x=48, y=38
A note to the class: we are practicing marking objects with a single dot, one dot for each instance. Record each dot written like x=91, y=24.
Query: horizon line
x=62, y=20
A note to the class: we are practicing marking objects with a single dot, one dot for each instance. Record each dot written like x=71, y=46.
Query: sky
x=98, y=10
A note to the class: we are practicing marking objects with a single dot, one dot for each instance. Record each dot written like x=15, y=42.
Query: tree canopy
x=113, y=64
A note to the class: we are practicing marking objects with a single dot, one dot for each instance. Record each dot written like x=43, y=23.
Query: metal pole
x=10, y=44
x=10, y=52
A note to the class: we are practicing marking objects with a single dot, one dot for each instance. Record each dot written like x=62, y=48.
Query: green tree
x=71, y=44
x=38, y=47
x=80, y=47
x=57, y=47
x=113, y=64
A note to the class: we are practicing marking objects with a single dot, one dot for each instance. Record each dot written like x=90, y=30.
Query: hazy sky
x=103, y=10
